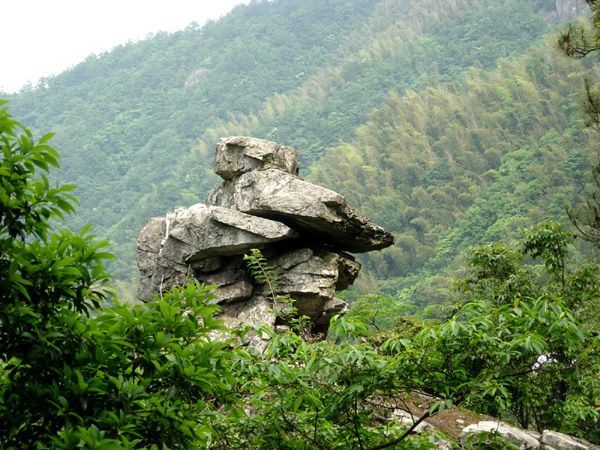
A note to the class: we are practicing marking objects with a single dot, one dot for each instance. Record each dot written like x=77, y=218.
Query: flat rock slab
x=172, y=248
x=317, y=272
x=517, y=436
x=254, y=312
x=201, y=231
x=561, y=441
x=233, y=281
x=310, y=209
x=237, y=155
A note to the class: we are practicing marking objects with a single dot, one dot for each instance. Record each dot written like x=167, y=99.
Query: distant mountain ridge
x=136, y=127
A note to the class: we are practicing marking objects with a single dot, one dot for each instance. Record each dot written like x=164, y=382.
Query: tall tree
x=578, y=41
x=124, y=377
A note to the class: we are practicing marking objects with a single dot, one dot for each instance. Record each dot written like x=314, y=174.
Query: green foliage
x=168, y=375
x=28, y=201
x=378, y=312
x=579, y=41
x=160, y=372
x=46, y=276
x=132, y=376
x=305, y=74
x=41, y=272
x=489, y=359
x=525, y=356
x=316, y=396
x=124, y=377
x=497, y=274
x=549, y=242
x=530, y=361
x=443, y=167
x=140, y=110
x=586, y=216
x=262, y=272
x=463, y=164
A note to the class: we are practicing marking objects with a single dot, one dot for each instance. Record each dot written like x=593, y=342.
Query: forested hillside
x=458, y=125
x=398, y=104
x=464, y=163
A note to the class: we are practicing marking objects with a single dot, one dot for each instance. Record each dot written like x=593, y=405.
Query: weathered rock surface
x=560, y=441
x=237, y=155
x=456, y=423
x=312, y=210
x=201, y=231
x=303, y=230
x=315, y=272
x=171, y=249
x=406, y=418
x=527, y=439
x=256, y=311
x=517, y=436
x=312, y=277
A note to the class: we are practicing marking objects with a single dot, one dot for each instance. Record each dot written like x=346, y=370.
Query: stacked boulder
x=304, y=231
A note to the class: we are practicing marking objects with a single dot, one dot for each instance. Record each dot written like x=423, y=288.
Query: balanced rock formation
x=304, y=231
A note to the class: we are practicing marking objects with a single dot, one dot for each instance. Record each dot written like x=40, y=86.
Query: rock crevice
x=304, y=230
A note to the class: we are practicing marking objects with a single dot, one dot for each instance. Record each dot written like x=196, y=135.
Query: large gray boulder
x=560, y=441
x=237, y=155
x=528, y=439
x=233, y=281
x=314, y=211
x=303, y=230
x=255, y=312
x=201, y=231
x=311, y=277
x=190, y=240
x=157, y=275
x=517, y=436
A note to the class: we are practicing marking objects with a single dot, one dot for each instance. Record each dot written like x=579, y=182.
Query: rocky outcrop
x=318, y=213
x=515, y=436
x=520, y=438
x=527, y=439
x=238, y=155
x=569, y=9
x=462, y=427
x=304, y=230
x=191, y=240
x=563, y=10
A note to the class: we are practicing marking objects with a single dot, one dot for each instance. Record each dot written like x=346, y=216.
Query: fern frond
x=262, y=272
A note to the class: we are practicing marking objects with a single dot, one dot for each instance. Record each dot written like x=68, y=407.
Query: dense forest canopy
x=144, y=118
x=519, y=342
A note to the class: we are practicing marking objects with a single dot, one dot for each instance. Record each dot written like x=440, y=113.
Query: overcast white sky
x=44, y=37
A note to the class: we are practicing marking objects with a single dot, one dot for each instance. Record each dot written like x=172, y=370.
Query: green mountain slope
x=464, y=163
x=137, y=126
x=125, y=119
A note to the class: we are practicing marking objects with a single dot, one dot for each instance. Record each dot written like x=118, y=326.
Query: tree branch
x=404, y=435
